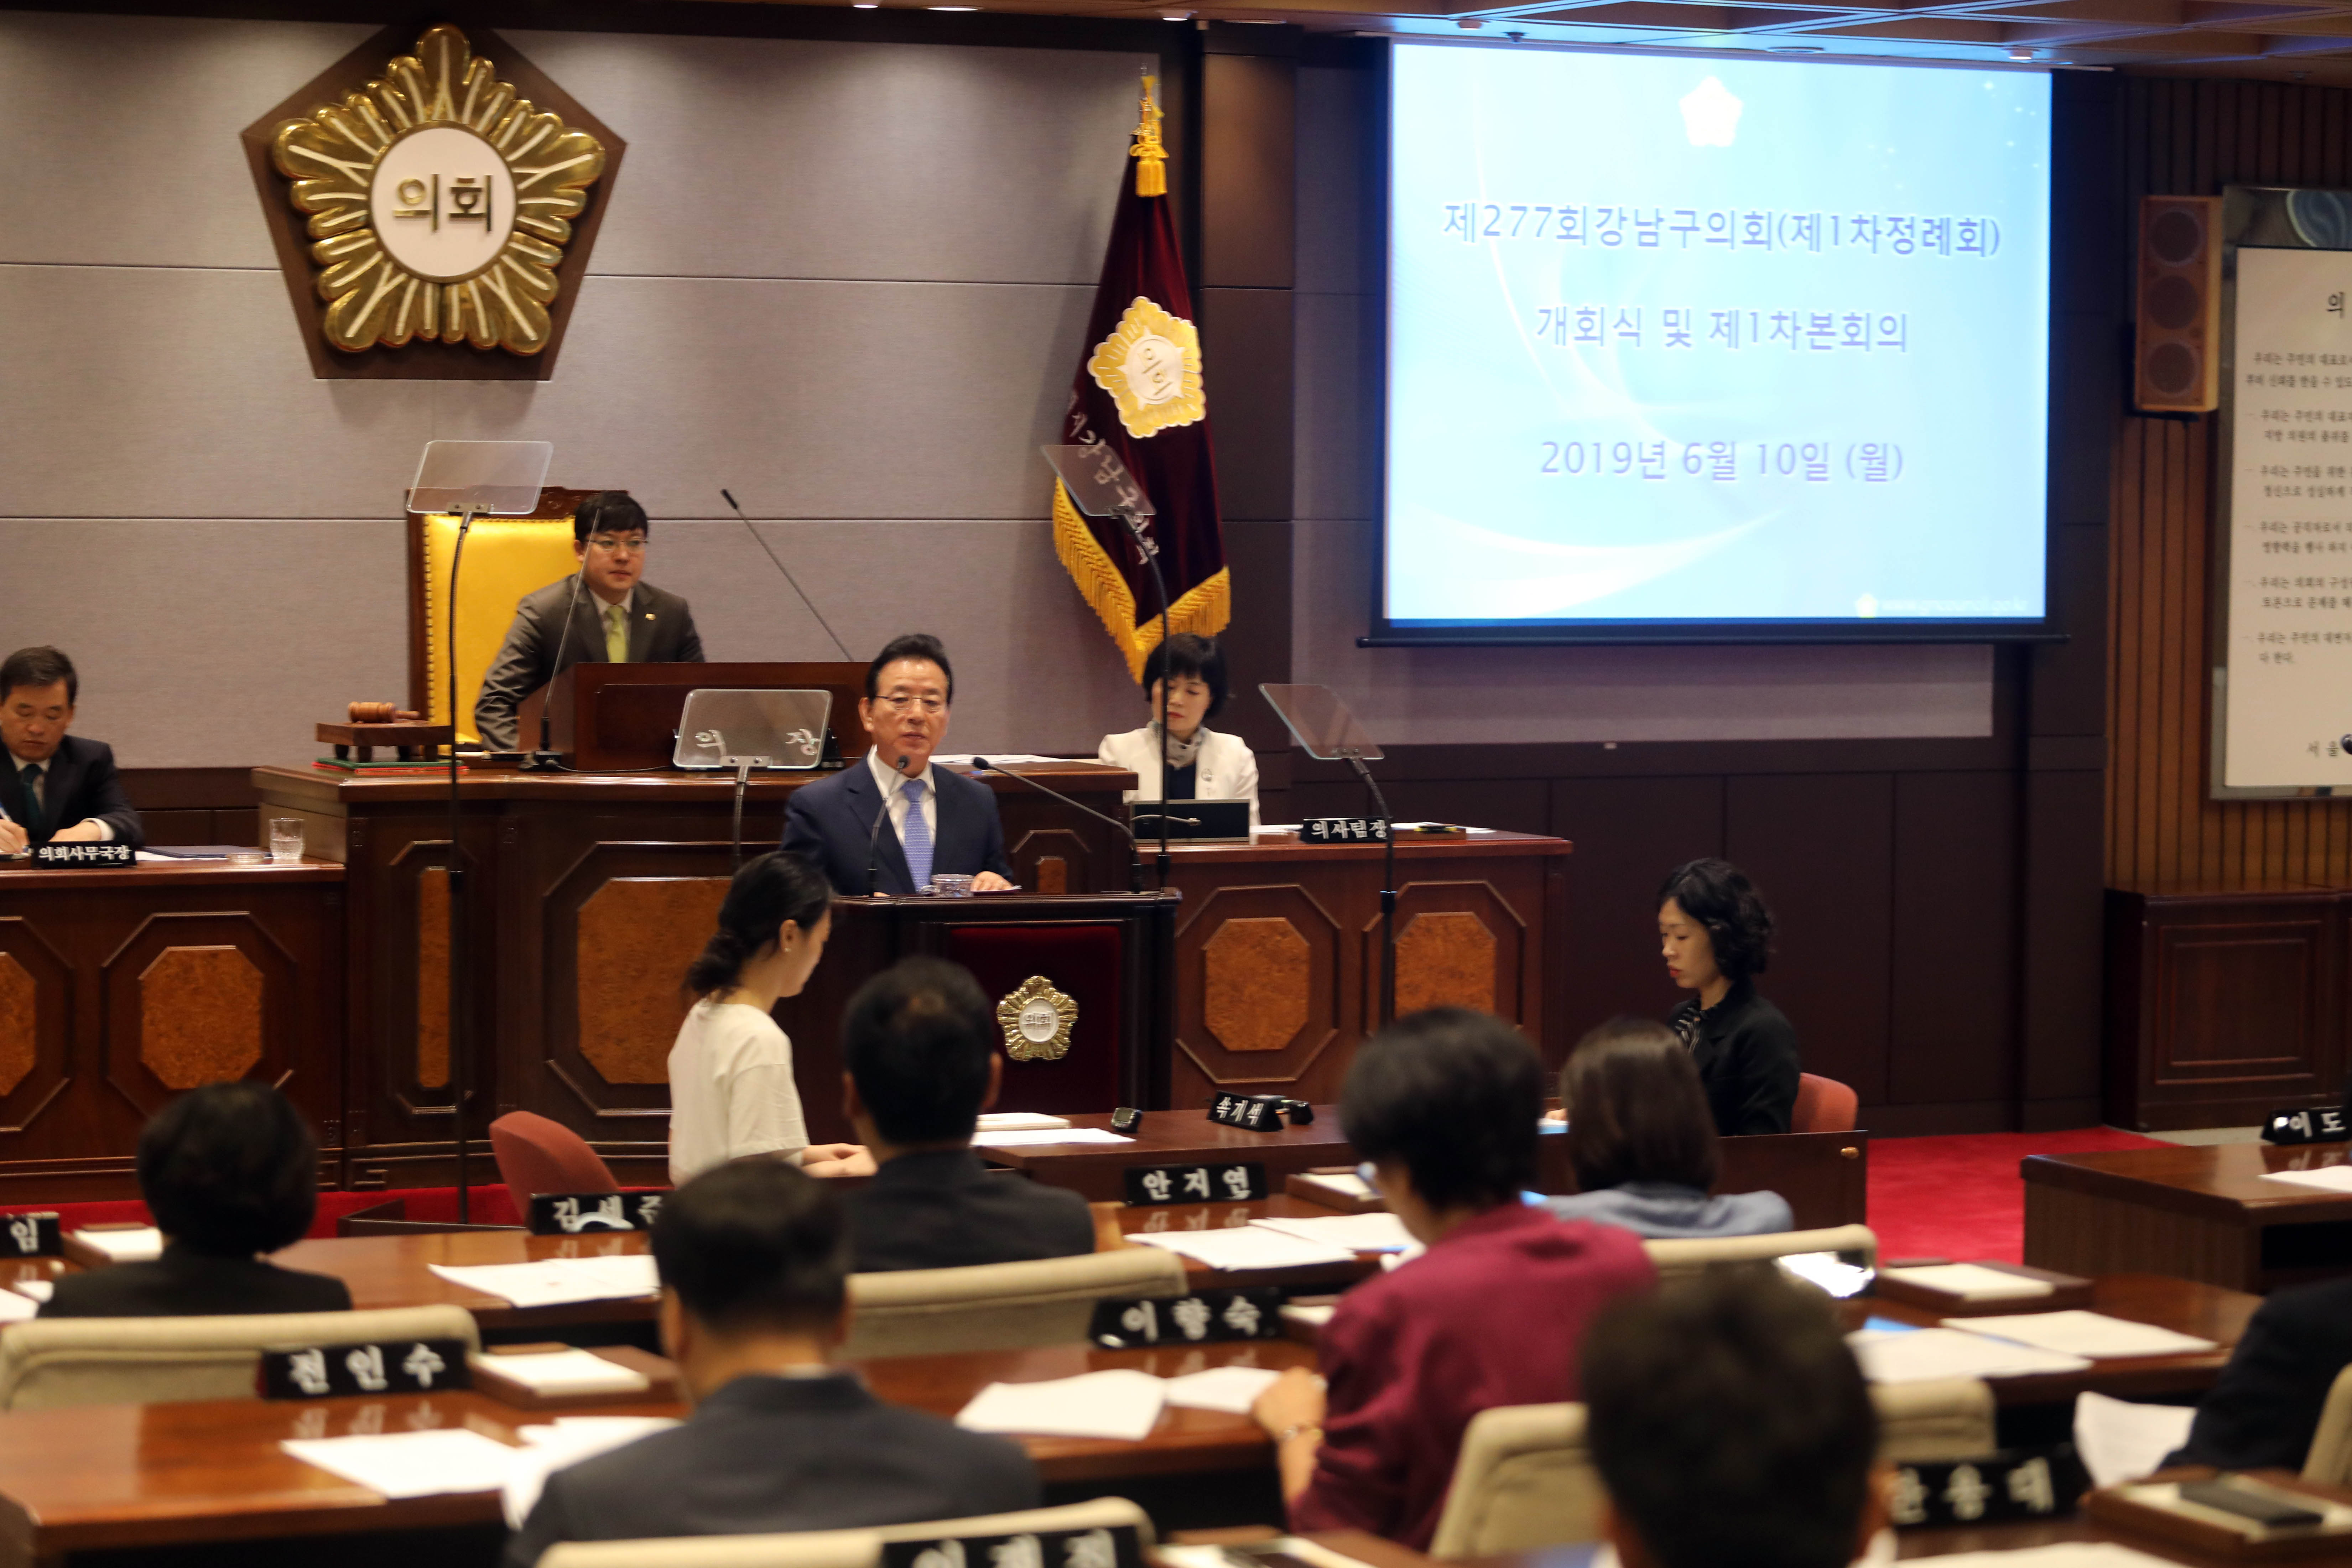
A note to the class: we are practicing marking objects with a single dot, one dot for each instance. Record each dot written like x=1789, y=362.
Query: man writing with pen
x=56, y=788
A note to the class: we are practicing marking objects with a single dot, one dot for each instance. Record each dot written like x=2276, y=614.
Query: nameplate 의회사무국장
x=54, y=855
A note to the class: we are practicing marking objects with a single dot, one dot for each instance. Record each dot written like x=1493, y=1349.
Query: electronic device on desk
x=1196, y=821
x=2255, y=1517
x=1126, y=1119
x=2320, y=1124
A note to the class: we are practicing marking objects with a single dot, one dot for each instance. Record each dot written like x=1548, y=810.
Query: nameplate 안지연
x=399, y=1366
x=2320, y=1124
x=1250, y=1112
x=1992, y=1489
x=1204, y=1317
x=1150, y=1186
x=1343, y=830
x=31, y=1236
x=53, y=856
x=569, y=1214
x=1113, y=1547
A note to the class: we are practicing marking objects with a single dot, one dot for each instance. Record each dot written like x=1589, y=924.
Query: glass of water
x=947, y=885
x=285, y=840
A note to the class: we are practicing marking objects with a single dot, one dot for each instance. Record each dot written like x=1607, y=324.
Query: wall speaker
x=2177, y=368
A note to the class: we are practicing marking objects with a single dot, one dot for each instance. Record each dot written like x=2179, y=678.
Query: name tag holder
x=2320, y=1124
x=334, y=1372
x=572, y=1214
x=1250, y=1112
x=1115, y=1546
x=31, y=1236
x=1343, y=830
x=2004, y=1488
x=74, y=856
x=1205, y=1317
x=1148, y=1187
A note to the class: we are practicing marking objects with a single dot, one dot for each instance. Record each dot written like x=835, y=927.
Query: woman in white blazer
x=1206, y=765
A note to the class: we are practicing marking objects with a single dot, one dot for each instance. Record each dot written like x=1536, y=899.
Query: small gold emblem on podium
x=1037, y=1021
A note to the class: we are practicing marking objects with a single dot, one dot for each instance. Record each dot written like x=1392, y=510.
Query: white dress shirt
x=731, y=1091
x=17, y=766
x=894, y=796
x=1226, y=768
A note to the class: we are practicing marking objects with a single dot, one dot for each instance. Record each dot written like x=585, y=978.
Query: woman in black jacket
x=1716, y=935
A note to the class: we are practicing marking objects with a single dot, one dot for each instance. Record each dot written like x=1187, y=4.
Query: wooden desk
x=2200, y=1214
x=385, y=1271
x=121, y=986
x=1277, y=954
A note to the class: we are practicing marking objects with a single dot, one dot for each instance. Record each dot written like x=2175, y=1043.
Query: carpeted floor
x=1961, y=1198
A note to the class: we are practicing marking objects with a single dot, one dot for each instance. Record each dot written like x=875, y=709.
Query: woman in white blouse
x=732, y=1093
x=1203, y=763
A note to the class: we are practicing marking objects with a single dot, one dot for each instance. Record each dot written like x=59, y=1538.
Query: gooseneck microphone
x=787, y=571
x=543, y=757
x=1134, y=856
x=874, y=839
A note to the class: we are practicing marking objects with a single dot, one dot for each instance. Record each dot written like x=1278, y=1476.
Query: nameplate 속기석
x=1343, y=830
x=1250, y=1112
x=2320, y=1124
x=1992, y=1489
x=1204, y=1317
x=31, y=1236
x=569, y=1214
x=1112, y=1547
x=398, y=1366
x=75, y=855
x=1150, y=1186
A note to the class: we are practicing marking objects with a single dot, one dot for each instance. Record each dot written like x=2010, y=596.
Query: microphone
x=789, y=578
x=874, y=839
x=1134, y=857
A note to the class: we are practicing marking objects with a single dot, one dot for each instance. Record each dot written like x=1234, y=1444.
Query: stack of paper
x=15, y=1308
x=1232, y=1389
x=1346, y=1183
x=143, y=1244
x=1020, y=1120
x=411, y=1464
x=1118, y=1403
x=1923, y=1355
x=2120, y=1441
x=2327, y=1178
x=987, y=1140
x=38, y=1290
x=558, y=1281
x=1358, y=1232
x=2084, y=1333
x=570, y=1441
x=1246, y=1247
x=1971, y=1281
x=2070, y=1554
x=567, y=1372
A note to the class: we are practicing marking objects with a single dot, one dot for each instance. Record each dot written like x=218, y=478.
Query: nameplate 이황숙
x=1205, y=1317
x=398, y=1366
x=30, y=1235
x=74, y=855
x=1250, y=1112
x=1343, y=830
x=569, y=1214
x=1114, y=1547
x=1148, y=1187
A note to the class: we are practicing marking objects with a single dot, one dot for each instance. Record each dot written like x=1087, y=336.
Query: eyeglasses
x=612, y=546
x=900, y=701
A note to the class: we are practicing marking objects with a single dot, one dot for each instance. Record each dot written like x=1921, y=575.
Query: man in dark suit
x=752, y=1260
x=2264, y=1410
x=57, y=788
x=919, y=1043
x=942, y=822
x=615, y=618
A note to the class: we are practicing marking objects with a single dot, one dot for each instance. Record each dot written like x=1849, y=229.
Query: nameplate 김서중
x=1114, y=1547
x=80, y=854
x=30, y=1235
x=1205, y=1317
x=1250, y=1112
x=1992, y=1489
x=399, y=1366
x=1150, y=1186
x=2320, y=1124
x=1343, y=830
x=569, y=1214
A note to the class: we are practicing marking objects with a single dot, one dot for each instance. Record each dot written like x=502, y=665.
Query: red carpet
x=1960, y=1197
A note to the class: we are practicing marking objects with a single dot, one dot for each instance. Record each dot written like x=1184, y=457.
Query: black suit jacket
x=79, y=782
x=1747, y=1059
x=832, y=821
x=945, y=1210
x=661, y=631
x=768, y=1455
x=184, y=1284
x=2265, y=1408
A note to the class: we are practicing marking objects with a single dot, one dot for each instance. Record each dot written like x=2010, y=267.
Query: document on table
x=566, y=1371
x=1971, y=1281
x=2327, y=1178
x=2069, y=1554
x=15, y=1308
x=1358, y=1232
x=140, y=1244
x=1921, y=1355
x=570, y=1441
x=1245, y=1247
x=2120, y=1441
x=38, y=1290
x=2084, y=1333
x=558, y=1281
x=410, y=1464
x=1232, y=1389
x=1121, y=1403
x=987, y=1140
x=1020, y=1121
x=1344, y=1182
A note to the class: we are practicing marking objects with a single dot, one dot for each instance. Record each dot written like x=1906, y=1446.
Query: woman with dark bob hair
x=229, y=1172
x=732, y=1092
x=1642, y=1140
x=1203, y=765
x=1716, y=935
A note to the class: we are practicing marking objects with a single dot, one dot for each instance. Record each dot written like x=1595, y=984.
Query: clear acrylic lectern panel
x=1321, y=723
x=721, y=728
x=499, y=477
x=1098, y=483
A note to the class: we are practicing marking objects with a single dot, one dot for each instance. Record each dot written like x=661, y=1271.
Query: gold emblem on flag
x=1037, y=1021
x=1151, y=365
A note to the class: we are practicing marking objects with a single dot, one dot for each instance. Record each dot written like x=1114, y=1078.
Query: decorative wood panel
x=636, y=936
x=19, y=1024
x=195, y=996
x=1259, y=974
x=1444, y=959
x=432, y=978
x=200, y=1018
x=49, y=995
x=1474, y=954
x=1259, y=911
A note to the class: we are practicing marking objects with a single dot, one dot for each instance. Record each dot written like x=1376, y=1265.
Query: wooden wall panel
x=1628, y=832
x=1954, y=906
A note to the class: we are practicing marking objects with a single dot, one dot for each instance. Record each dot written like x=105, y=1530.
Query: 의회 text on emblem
x=1037, y=1021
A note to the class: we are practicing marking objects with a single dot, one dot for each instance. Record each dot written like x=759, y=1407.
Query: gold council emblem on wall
x=439, y=202
x=1151, y=365
x=1037, y=1021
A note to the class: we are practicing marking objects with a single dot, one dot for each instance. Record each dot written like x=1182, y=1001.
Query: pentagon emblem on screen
x=1037, y=1020
x=1151, y=365
x=1711, y=114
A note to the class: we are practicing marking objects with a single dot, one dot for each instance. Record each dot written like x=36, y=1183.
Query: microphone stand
x=758, y=539
x=458, y=1080
x=874, y=839
x=1388, y=891
x=742, y=782
x=1134, y=856
x=543, y=761
x=1150, y=550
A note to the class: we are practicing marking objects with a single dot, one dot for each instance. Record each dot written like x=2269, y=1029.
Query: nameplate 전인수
x=74, y=855
x=1116, y=1547
x=569, y=1214
x=1205, y=1317
x=329, y=1371
x=1992, y=1489
x=2320, y=1124
x=1342, y=830
x=31, y=1236
x=1150, y=1186
x=1250, y=1112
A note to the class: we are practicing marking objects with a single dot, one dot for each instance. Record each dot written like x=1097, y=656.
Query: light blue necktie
x=915, y=837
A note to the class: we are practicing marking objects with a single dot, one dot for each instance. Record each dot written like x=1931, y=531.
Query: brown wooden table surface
x=23, y=877
x=397, y=1271
x=2201, y=1213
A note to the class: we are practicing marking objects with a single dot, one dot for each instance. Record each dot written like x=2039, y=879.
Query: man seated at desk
x=943, y=822
x=59, y=789
x=615, y=618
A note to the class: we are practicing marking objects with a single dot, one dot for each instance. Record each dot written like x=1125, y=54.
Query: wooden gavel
x=380, y=713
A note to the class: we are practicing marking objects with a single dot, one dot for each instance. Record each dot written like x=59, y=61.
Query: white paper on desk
x=1232, y=1389
x=411, y=1464
x=1313, y=1316
x=2120, y=1441
x=1346, y=1183
x=566, y=1371
x=559, y=1281
x=571, y=1439
x=1971, y=1281
x=143, y=1245
x=1357, y=1232
x=1020, y=1121
x=2067, y=1555
x=1245, y=1247
x=987, y=1140
x=1921, y=1355
x=2084, y=1333
x=38, y=1290
x=15, y=1308
x=1121, y=1403
x=2327, y=1178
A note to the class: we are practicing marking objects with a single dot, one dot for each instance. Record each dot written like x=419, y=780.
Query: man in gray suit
x=615, y=618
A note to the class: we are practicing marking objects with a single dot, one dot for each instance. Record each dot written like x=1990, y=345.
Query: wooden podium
x=615, y=716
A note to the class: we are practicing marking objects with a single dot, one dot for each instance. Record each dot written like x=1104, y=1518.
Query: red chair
x=1823, y=1105
x=536, y=1155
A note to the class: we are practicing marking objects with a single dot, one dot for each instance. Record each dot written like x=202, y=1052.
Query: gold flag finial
x=1149, y=154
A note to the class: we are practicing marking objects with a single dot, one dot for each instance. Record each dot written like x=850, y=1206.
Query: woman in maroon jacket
x=1443, y=1107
